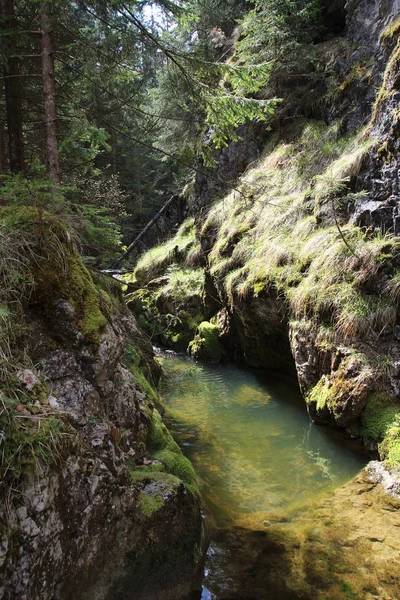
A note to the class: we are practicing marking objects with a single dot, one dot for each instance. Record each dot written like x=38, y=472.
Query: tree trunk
x=13, y=93
x=114, y=152
x=2, y=150
x=50, y=114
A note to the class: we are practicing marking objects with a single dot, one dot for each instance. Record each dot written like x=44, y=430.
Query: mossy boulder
x=206, y=344
x=170, y=308
x=381, y=425
x=56, y=268
x=168, y=455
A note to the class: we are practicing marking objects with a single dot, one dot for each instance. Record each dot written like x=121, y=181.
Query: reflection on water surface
x=257, y=456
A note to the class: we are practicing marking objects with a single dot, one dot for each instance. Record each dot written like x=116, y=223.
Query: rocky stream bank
x=97, y=499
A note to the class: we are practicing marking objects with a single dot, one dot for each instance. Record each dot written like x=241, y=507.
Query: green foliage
x=208, y=17
x=206, y=344
x=38, y=191
x=226, y=111
x=202, y=95
x=280, y=34
x=90, y=210
x=83, y=144
x=99, y=233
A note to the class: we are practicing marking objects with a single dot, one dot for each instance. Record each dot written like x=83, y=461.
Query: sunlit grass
x=276, y=240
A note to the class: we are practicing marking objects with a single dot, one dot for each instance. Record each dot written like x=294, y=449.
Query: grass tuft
x=154, y=262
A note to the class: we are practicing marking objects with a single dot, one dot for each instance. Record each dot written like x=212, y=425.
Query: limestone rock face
x=96, y=524
x=366, y=19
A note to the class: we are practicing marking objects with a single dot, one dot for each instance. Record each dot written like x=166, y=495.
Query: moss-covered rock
x=167, y=452
x=206, y=344
x=56, y=268
x=381, y=425
x=170, y=306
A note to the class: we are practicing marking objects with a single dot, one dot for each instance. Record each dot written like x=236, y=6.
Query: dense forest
x=199, y=299
x=119, y=104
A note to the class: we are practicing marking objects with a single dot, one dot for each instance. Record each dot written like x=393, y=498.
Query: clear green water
x=251, y=442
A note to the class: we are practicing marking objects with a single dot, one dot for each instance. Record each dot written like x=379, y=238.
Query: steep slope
x=97, y=498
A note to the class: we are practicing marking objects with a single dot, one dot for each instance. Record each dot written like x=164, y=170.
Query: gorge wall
x=298, y=264
x=97, y=499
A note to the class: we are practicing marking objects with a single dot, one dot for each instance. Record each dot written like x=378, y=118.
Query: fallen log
x=145, y=230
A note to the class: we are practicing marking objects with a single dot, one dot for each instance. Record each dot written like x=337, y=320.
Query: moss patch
x=321, y=394
x=380, y=413
x=150, y=504
x=381, y=424
x=136, y=363
x=206, y=344
x=167, y=451
x=85, y=297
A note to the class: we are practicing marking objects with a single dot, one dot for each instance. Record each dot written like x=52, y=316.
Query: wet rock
x=389, y=479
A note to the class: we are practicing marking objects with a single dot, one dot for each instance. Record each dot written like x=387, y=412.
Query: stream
x=260, y=463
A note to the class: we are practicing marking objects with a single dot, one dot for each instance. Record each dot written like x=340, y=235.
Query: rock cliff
x=97, y=499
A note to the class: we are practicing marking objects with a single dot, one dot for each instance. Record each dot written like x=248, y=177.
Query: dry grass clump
x=392, y=288
x=195, y=256
x=336, y=177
